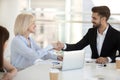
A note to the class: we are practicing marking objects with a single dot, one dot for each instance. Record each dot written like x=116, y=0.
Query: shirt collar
x=23, y=38
x=105, y=31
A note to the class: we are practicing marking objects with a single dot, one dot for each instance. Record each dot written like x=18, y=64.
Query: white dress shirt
x=24, y=55
x=100, y=40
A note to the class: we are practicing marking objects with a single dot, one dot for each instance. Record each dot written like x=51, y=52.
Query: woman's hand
x=60, y=57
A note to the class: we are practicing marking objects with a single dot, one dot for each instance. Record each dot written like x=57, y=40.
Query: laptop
x=72, y=60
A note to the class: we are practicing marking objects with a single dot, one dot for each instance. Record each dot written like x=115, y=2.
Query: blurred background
x=56, y=20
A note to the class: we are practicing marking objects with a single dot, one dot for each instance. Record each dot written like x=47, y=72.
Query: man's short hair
x=103, y=11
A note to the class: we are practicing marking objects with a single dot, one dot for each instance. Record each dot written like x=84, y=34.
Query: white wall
x=9, y=9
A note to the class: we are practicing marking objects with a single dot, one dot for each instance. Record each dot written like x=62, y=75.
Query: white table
x=91, y=71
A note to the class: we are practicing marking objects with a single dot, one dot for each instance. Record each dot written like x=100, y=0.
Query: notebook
x=72, y=60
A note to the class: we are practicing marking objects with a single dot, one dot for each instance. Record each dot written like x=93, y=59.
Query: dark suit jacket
x=110, y=45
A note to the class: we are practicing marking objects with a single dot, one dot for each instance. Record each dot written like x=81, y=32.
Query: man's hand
x=102, y=60
x=58, y=46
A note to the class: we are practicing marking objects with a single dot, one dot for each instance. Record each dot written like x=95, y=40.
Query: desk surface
x=90, y=71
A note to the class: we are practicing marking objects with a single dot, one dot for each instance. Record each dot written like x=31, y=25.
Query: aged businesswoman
x=6, y=68
x=103, y=39
x=24, y=50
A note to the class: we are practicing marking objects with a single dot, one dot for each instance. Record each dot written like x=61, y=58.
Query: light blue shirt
x=23, y=56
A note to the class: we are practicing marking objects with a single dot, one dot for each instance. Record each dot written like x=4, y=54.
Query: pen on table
x=103, y=65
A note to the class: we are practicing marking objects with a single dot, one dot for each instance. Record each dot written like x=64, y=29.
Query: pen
x=103, y=65
x=55, y=63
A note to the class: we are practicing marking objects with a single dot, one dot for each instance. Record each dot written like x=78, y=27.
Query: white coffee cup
x=54, y=74
x=118, y=62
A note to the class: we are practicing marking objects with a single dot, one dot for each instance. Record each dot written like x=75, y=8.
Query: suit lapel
x=105, y=40
x=95, y=42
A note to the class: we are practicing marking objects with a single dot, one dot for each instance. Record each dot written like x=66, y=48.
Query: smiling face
x=31, y=28
x=96, y=20
x=100, y=15
x=24, y=24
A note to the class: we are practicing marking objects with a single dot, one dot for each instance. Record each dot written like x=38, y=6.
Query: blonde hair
x=22, y=23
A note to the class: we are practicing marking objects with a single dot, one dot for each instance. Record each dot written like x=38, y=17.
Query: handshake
x=58, y=46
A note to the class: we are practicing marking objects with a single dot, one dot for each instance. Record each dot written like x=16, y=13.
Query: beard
x=96, y=25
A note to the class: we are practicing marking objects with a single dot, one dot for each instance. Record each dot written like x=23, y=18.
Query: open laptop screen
x=73, y=60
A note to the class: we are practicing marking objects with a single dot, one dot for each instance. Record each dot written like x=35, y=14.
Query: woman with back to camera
x=24, y=50
x=7, y=71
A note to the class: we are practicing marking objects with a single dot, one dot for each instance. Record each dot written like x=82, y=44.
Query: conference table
x=90, y=71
